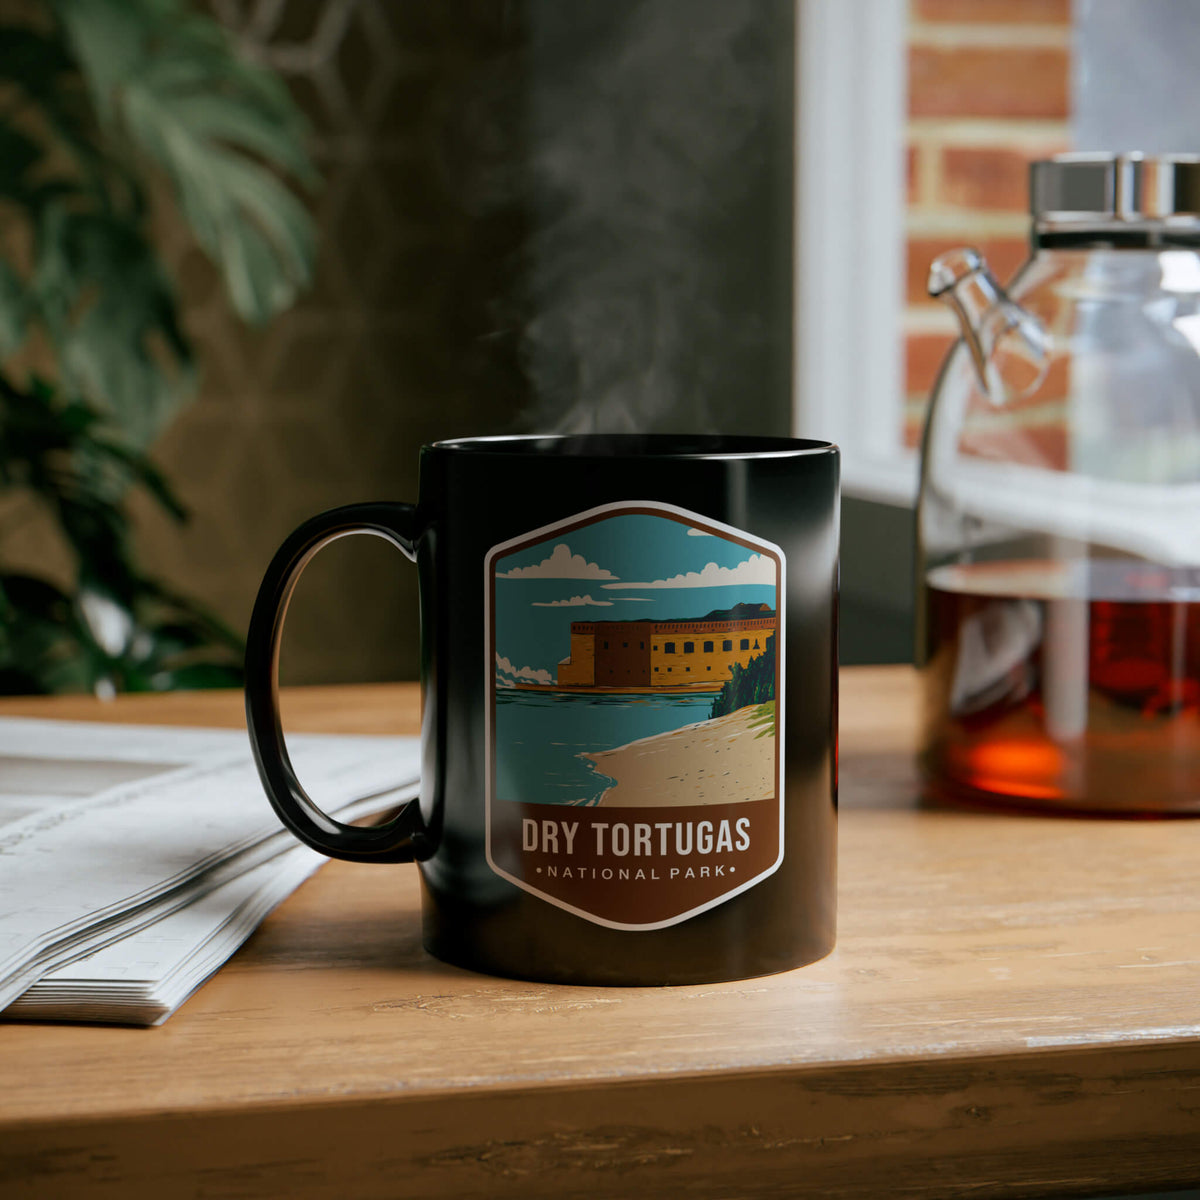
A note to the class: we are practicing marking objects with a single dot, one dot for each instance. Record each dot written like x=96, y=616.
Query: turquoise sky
x=590, y=581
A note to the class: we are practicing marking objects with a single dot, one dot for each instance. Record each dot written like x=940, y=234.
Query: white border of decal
x=692, y=519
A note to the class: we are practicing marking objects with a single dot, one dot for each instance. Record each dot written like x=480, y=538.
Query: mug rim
x=639, y=445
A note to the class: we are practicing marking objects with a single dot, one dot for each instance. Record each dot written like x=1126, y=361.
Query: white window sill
x=891, y=480
x=850, y=188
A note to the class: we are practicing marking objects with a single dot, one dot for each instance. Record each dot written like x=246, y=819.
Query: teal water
x=539, y=737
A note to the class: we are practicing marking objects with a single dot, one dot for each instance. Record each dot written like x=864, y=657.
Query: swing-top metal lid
x=1086, y=189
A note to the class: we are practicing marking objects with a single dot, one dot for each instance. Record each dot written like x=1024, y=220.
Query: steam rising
x=658, y=264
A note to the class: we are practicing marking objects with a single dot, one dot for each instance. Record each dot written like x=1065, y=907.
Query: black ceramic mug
x=629, y=685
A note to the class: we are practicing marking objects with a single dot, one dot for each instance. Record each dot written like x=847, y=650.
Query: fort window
x=756, y=643
x=727, y=644
x=606, y=645
x=687, y=668
x=689, y=647
x=745, y=643
x=669, y=648
x=708, y=647
x=641, y=645
x=624, y=645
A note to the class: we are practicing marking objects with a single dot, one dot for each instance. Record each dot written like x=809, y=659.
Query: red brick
x=988, y=81
x=986, y=177
x=1042, y=406
x=1004, y=256
x=994, y=12
x=1055, y=387
x=923, y=355
x=1034, y=446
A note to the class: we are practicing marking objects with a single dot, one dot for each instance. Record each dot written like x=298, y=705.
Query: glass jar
x=1059, y=510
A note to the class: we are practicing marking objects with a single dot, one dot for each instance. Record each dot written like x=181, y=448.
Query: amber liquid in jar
x=1064, y=685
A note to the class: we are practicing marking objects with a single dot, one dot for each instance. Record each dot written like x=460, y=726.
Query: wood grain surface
x=1013, y=1009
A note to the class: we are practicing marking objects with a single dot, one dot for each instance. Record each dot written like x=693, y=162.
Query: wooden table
x=1013, y=1009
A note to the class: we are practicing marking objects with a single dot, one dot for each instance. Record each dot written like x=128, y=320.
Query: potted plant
x=108, y=109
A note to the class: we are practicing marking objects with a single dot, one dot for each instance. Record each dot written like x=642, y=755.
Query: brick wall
x=988, y=92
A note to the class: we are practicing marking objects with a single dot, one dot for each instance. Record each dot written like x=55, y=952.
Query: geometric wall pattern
x=397, y=344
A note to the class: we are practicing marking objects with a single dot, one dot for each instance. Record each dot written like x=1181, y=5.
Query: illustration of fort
x=678, y=655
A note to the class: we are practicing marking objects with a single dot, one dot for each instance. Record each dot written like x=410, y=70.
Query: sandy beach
x=725, y=760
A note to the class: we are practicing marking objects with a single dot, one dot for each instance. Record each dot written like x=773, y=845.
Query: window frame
x=851, y=115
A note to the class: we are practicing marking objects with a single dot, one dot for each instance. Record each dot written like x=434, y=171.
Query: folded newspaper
x=135, y=860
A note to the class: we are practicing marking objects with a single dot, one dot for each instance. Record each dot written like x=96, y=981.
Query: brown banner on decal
x=635, y=659
x=640, y=866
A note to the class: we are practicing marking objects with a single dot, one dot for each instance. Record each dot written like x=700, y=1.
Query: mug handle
x=399, y=840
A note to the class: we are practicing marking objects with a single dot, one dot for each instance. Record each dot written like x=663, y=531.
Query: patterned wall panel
x=396, y=345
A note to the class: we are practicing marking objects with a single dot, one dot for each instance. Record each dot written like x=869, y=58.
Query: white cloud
x=561, y=564
x=756, y=569
x=574, y=602
x=525, y=674
x=693, y=532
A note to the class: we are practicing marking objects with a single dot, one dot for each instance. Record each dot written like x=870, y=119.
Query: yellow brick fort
x=679, y=655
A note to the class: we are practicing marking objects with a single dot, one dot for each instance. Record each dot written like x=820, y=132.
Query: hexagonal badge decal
x=635, y=713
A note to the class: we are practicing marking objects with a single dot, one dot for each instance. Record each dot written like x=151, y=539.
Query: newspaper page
x=142, y=978
x=106, y=830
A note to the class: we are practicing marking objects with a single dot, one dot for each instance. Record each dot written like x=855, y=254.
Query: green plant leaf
x=42, y=648
x=39, y=67
x=107, y=38
x=173, y=87
x=111, y=313
x=92, y=102
x=142, y=471
x=65, y=456
x=14, y=310
x=18, y=154
x=33, y=61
